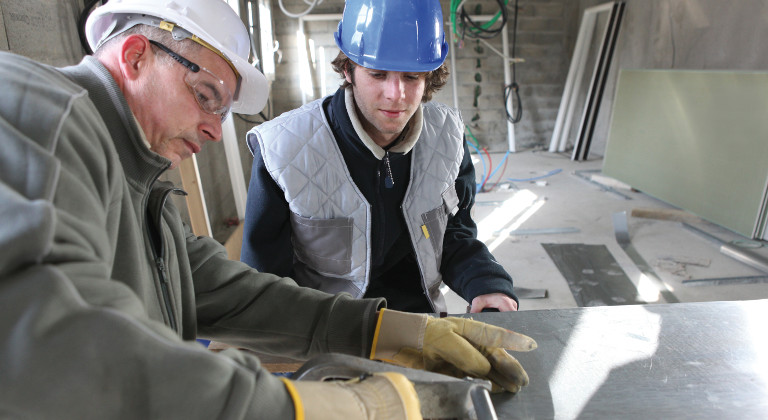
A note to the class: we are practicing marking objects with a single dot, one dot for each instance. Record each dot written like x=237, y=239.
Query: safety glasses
x=211, y=93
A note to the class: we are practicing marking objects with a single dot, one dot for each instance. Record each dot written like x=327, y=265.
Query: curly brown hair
x=435, y=79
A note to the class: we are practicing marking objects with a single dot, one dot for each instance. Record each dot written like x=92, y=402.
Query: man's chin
x=176, y=160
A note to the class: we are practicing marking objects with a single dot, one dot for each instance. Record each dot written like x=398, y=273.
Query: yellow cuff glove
x=386, y=395
x=454, y=346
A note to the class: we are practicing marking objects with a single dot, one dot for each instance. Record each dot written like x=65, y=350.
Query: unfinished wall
x=45, y=30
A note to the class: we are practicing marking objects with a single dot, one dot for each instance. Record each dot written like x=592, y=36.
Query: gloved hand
x=385, y=395
x=454, y=346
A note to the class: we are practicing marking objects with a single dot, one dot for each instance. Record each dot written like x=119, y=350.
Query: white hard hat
x=212, y=21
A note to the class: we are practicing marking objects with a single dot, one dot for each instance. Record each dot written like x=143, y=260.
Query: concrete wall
x=45, y=30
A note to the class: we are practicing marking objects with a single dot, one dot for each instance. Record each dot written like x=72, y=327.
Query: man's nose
x=394, y=87
x=210, y=129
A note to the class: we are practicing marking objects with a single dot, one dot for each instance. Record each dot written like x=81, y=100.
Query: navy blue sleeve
x=468, y=267
x=267, y=229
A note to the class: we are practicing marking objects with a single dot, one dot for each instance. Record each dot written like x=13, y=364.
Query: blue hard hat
x=393, y=35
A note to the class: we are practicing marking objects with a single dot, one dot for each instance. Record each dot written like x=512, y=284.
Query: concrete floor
x=552, y=208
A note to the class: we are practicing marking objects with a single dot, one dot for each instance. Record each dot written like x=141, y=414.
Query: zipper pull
x=389, y=181
x=161, y=269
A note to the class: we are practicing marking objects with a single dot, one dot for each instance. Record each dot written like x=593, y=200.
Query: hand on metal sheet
x=454, y=346
x=493, y=302
x=384, y=395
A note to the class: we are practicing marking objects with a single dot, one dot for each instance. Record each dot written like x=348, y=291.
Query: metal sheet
x=662, y=361
x=717, y=281
x=593, y=275
x=745, y=256
x=621, y=231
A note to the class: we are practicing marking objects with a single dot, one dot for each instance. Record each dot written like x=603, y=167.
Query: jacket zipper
x=158, y=254
x=389, y=180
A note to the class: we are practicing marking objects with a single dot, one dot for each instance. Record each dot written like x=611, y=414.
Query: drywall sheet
x=593, y=275
x=695, y=139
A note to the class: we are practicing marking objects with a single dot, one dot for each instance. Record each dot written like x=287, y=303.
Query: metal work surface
x=682, y=360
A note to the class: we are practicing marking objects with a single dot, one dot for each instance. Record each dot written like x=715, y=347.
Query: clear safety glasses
x=211, y=93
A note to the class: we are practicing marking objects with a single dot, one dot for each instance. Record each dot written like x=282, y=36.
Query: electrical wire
x=508, y=89
x=477, y=143
x=490, y=165
x=513, y=87
x=501, y=175
x=482, y=174
x=470, y=28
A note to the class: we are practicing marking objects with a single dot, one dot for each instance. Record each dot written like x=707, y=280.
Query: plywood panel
x=695, y=139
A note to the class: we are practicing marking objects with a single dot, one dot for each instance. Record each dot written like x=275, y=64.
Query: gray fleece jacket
x=103, y=288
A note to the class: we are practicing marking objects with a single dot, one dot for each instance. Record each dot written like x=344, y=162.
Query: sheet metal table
x=662, y=361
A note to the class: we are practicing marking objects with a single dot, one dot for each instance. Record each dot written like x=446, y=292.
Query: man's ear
x=135, y=54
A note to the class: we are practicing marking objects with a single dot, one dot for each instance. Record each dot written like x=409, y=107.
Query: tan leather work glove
x=454, y=346
x=385, y=395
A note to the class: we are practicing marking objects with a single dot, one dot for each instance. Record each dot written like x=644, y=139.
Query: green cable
x=472, y=136
x=454, y=9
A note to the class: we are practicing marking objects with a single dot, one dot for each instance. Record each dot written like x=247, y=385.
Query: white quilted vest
x=302, y=156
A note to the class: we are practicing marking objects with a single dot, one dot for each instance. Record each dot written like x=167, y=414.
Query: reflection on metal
x=621, y=230
x=605, y=188
x=593, y=275
x=700, y=360
x=639, y=332
x=726, y=281
x=749, y=258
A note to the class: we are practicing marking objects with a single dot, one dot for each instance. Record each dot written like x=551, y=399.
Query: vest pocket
x=435, y=222
x=450, y=200
x=325, y=245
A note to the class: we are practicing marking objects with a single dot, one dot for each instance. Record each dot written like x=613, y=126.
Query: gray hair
x=182, y=47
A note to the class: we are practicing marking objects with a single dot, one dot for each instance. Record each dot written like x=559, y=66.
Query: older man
x=103, y=288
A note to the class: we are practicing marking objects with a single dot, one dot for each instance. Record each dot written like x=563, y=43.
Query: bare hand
x=499, y=301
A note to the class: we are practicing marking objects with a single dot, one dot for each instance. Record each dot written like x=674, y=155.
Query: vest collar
x=403, y=145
